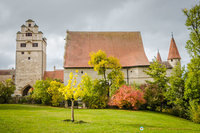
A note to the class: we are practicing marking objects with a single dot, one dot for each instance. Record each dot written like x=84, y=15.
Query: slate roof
x=166, y=63
x=126, y=46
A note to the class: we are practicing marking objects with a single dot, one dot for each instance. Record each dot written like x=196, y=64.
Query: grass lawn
x=16, y=118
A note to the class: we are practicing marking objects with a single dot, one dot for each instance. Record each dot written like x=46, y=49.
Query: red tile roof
x=57, y=74
x=7, y=72
x=158, y=57
x=126, y=46
x=173, y=51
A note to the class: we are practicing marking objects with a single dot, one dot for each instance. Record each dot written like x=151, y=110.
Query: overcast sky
x=155, y=19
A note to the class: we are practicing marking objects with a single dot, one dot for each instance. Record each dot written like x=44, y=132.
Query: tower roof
x=126, y=46
x=158, y=57
x=173, y=51
x=29, y=20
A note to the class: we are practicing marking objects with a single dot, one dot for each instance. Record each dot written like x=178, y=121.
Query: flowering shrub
x=127, y=97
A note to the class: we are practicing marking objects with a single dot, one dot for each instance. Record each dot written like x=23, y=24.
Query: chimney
x=54, y=68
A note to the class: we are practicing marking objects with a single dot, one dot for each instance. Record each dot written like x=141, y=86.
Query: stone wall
x=5, y=77
x=135, y=74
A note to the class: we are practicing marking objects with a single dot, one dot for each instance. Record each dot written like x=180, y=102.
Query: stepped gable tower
x=30, y=57
x=173, y=56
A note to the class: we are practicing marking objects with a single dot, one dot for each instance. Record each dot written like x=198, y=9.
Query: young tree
x=56, y=96
x=72, y=91
x=101, y=64
x=192, y=89
x=157, y=72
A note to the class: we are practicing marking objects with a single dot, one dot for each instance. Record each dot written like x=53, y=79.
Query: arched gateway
x=25, y=90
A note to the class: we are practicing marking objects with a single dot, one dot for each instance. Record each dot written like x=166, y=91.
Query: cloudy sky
x=155, y=19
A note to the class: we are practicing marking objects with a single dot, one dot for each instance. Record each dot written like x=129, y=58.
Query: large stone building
x=126, y=46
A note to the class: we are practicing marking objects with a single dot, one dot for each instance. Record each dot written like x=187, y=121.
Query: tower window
x=29, y=58
x=29, y=25
x=28, y=34
x=22, y=52
x=23, y=44
x=35, y=44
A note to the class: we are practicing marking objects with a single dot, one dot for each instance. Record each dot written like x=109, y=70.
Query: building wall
x=135, y=74
x=173, y=62
x=5, y=77
x=29, y=70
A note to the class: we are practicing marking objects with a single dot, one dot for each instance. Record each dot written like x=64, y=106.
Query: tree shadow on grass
x=75, y=122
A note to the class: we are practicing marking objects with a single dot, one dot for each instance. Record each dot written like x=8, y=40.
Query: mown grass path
x=16, y=118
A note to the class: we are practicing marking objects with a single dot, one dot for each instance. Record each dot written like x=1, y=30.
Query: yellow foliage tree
x=72, y=91
x=56, y=95
x=101, y=63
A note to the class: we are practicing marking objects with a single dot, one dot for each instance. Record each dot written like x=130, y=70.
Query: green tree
x=94, y=94
x=175, y=93
x=192, y=89
x=72, y=91
x=56, y=96
x=7, y=88
x=40, y=91
x=102, y=64
x=157, y=72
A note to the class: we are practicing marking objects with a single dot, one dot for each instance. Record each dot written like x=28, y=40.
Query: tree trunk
x=66, y=104
x=72, y=109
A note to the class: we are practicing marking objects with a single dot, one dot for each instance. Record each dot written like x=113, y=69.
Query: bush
x=40, y=94
x=194, y=111
x=56, y=96
x=7, y=88
x=128, y=98
x=96, y=94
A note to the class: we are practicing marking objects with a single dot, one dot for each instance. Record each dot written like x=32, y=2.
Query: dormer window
x=171, y=60
x=28, y=34
x=29, y=25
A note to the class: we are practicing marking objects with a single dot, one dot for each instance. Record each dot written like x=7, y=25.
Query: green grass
x=44, y=119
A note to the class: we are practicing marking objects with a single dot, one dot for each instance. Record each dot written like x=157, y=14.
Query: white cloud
x=4, y=13
x=55, y=51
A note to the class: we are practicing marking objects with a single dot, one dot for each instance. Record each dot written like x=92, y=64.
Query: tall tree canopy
x=109, y=67
x=192, y=89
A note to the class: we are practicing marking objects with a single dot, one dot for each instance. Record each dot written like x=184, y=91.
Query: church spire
x=158, y=57
x=173, y=50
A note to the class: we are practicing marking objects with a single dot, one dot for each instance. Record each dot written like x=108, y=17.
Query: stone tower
x=30, y=57
x=173, y=56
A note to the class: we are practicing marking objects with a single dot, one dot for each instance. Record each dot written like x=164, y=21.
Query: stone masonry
x=30, y=57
